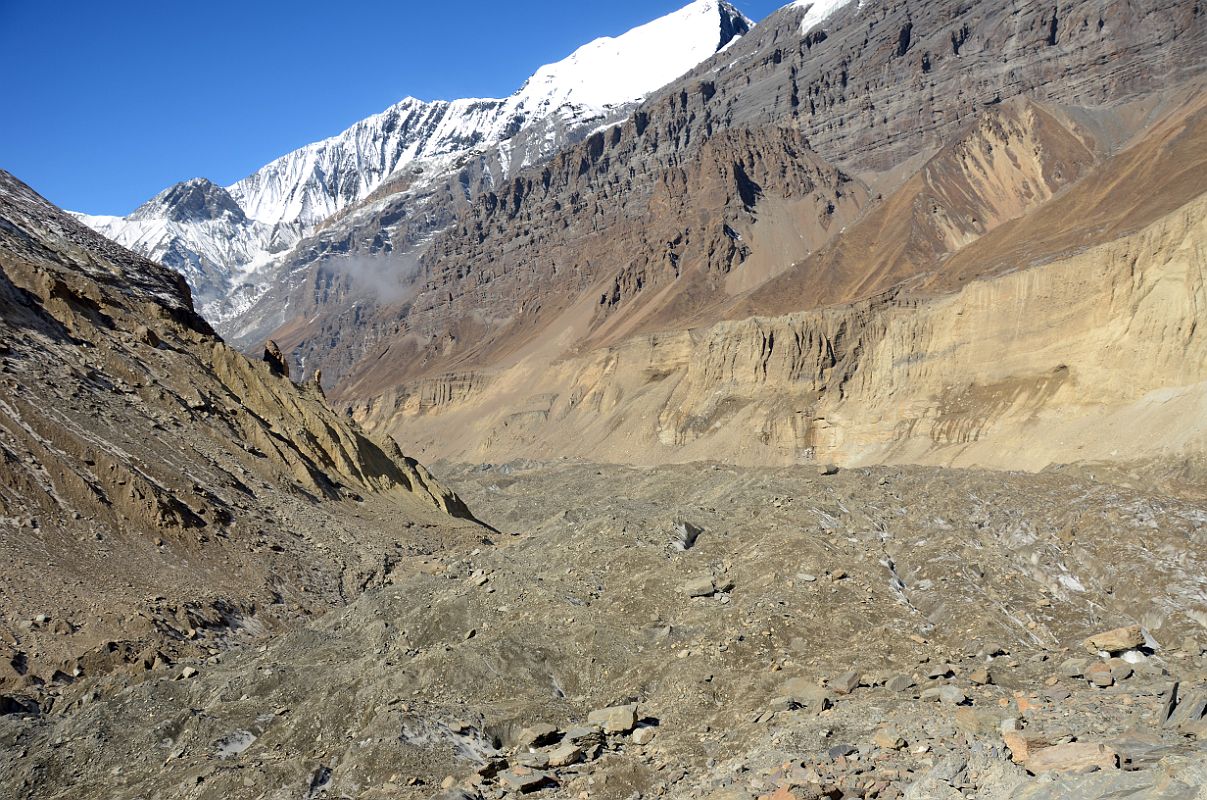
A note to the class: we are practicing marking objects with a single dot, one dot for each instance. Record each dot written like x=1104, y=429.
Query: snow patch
x=818, y=11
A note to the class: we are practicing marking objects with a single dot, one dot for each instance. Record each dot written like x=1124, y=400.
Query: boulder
x=537, y=736
x=565, y=755
x=617, y=719
x=845, y=683
x=1072, y=757
x=1116, y=641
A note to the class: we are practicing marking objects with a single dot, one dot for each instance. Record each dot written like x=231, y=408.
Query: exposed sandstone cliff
x=1099, y=356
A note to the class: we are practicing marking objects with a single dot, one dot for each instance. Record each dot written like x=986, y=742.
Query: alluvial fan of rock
x=874, y=633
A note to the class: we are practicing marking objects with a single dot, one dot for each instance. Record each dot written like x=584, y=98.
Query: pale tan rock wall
x=1099, y=356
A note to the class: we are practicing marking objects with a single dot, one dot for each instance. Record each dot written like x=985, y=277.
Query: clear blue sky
x=107, y=103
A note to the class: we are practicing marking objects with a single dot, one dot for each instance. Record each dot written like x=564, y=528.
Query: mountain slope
x=227, y=257
x=881, y=155
x=159, y=492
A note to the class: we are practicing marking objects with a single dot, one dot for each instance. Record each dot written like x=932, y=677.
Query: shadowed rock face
x=198, y=200
x=146, y=468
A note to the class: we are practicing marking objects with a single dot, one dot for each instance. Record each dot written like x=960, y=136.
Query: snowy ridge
x=227, y=239
x=818, y=11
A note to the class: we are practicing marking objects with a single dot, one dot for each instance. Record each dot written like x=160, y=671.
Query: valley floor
x=873, y=633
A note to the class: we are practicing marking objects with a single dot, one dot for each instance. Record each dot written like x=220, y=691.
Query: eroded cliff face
x=158, y=490
x=681, y=215
x=1095, y=356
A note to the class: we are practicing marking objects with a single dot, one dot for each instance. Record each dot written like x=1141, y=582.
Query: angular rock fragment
x=947, y=695
x=617, y=719
x=845, y=683
x=538, y=736
x=565, y=755
x=1117, y=640
x=1072, y=757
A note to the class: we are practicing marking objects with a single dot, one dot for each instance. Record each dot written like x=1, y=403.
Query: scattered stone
x=1099, y=674
x=188, y=672
x=700, y=587
x=947, y=695
x=1120, y=669
x=940, y=671
x=899, y=683
x=1023, y=747
x=1074, y=667
x=979, y=721
x=806, y=695
x=584, y=734
x=888, y=739
x=841, y=751
x=827, y=469
x=980, y=677
x=525, y=781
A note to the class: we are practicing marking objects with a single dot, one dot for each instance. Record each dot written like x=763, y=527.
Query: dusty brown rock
x=1117, y=640
x=616, y=719
x=1072, y=757
x=182, y=478
x=275, y=359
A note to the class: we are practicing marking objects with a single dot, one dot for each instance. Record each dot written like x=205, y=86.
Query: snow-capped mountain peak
x=616, y=70
x=192, y=200
x=225, y=239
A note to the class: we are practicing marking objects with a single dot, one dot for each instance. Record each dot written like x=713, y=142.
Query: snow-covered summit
x=225, y=239
x=614, y=71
